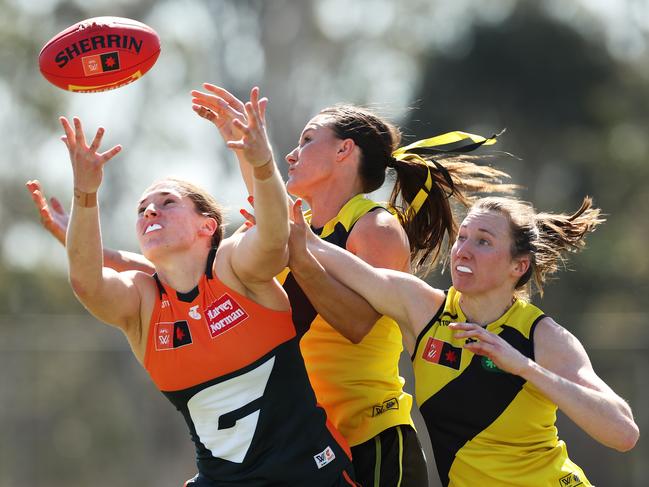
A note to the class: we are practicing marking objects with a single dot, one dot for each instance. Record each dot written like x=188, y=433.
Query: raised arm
x=262, y=252
x=407, y=299
x=110, y=296
x=222, y=108
x=54, y=218
x=562, y=372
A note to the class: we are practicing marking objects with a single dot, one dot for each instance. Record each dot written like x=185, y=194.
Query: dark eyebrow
x=487, y=231
x=310, y=129
x=164, y=193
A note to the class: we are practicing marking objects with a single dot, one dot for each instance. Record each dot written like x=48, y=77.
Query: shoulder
x=379, y=239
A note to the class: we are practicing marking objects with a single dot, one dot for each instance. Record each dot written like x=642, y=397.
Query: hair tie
x=392, y=162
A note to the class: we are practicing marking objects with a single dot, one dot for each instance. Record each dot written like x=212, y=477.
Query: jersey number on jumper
x=225, y=415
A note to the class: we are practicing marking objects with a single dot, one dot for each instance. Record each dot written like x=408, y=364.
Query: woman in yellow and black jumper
x=491, y=368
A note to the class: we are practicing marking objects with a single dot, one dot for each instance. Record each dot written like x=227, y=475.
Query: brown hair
x=204, y=203
x=454, y=177
x=545, y=237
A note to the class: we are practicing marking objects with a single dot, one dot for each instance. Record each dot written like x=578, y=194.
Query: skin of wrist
x=84, y=199
x=264, y=171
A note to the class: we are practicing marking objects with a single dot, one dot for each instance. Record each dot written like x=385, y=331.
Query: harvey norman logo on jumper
x=224, y=314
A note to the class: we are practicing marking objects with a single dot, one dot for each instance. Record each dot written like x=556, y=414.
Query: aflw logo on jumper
x=570, y=480
x=392, y=403
x=224, y=314
x=325, y=457
x=442, y=353
x=172, y=335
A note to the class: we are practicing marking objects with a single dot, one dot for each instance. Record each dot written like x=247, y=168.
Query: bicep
x=117, y=301
x=253, y=262
x=559, y=351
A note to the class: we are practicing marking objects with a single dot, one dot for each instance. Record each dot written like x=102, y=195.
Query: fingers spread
x=109, y=154
x=56, y=205
x=97, y=140
x=78, y=131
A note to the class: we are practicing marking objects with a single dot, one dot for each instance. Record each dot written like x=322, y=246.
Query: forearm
x=346, y=311
x=84, y=249
x=271, y=210
x=602, y=414
x=246, y=173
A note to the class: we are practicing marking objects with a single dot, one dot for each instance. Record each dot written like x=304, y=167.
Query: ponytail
x=426, y=189
x=560, y=234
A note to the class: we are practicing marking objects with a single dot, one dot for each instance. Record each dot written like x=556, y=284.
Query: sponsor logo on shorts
x=223, y=315
x=392, y=403
x=442, y=353
x=325, y=457
x=172, y=335
x=570, y=480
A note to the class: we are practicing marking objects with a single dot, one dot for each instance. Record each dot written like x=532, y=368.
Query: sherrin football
x=99, y=54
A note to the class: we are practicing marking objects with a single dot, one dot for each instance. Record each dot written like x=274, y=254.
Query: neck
x=327, y=201
x=182, y=272
x=485, y=309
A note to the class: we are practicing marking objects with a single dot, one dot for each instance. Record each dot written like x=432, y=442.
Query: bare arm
x=110, y=296
x=563, y=373
x=379, y=240
x=407, y=299
x=261, y=252
x=222, y=108
x=54, y=218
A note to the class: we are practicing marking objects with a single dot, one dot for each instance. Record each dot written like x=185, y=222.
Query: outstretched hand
x=54, y=218
x=221, y=107
x=242, y=125
x=87, y=163
x=483, y=342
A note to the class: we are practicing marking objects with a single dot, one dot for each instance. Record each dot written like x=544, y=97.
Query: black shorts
x=393, y=458
x=346, y=480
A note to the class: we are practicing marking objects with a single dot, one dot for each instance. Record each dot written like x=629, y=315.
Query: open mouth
x=152, y=228
x=464, y=269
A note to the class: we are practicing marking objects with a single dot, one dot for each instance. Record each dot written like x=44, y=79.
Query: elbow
x=356, y=336
x=79, y=287
x=629, y=438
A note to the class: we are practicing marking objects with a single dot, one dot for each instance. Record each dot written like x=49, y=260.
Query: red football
x=99, y=54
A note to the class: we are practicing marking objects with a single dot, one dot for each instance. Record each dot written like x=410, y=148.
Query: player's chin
x=293, y=187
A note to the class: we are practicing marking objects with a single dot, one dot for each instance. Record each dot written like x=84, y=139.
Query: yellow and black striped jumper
x=488, y=427
x=359, y=384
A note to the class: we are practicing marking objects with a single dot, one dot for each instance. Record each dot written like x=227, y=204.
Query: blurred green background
x=569, y=81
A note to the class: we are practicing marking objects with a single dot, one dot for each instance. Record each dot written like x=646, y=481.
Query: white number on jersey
x=225, y=415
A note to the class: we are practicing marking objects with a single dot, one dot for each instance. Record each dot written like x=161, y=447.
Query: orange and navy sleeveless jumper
x=233, y=368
